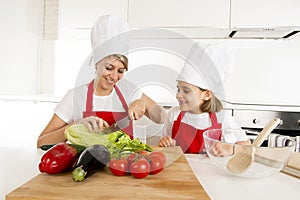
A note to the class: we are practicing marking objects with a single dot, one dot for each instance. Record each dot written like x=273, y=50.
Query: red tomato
x=140, y=168
x=142, y=153
x=161, y=155
x=118, y=167
x=131, y=158
x=156, y=164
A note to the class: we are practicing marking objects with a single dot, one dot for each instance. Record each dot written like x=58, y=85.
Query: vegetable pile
x=85, y=153
x=117, y=142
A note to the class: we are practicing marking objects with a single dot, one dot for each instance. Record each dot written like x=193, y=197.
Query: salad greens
x=117, y=142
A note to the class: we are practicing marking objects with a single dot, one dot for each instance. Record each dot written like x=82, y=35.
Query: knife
x=123, y=123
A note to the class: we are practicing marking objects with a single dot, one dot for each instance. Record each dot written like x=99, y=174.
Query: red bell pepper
x=58, y=158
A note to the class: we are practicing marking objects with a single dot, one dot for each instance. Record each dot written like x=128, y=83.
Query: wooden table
x=176, y=181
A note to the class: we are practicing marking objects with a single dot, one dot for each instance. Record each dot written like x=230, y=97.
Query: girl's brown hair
x=211, y=105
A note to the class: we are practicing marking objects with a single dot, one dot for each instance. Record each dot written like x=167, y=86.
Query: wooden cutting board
x=293, y=166
x=176, y=181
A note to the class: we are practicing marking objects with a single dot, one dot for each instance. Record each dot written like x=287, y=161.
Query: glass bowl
x=243, y=160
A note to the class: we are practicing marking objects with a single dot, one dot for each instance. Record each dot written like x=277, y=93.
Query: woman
x=107, y=98
x=199, y=108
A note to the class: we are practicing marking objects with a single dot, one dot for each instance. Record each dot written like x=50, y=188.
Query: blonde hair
x=211, y=105
x=123, y=59
x=119, y=57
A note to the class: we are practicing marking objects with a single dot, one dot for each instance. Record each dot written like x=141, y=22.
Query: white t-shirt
x=202, y=121
x=73, y=104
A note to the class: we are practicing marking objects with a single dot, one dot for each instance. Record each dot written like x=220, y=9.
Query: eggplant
x=92, y=159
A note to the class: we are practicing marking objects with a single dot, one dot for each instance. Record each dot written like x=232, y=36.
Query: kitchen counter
x=220, y=186
x=20, y=165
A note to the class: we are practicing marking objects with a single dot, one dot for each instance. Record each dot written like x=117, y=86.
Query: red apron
x=109, y=117
x=189, y=138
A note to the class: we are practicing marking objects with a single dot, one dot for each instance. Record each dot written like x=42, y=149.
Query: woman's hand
x=137, y=109
x=93, y=123
x=167, y=141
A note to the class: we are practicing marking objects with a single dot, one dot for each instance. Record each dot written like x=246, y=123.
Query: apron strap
x=121, y=98
x=180, y=116
x=89, y=97
x=176, y=124
x=214, y=121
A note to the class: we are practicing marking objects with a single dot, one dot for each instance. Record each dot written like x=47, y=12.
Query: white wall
x=20, y=44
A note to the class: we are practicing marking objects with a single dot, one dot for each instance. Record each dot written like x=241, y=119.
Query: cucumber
x=79, y=148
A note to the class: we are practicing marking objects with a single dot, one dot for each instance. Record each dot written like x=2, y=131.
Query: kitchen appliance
x=253, y=118
x=264, y=33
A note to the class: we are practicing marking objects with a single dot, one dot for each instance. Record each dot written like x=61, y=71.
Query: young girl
x=199, y=108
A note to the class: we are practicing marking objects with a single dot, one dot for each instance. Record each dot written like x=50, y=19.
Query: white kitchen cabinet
x=78, y=16
x=266, y=13
x=178, y=13
x=265, y=73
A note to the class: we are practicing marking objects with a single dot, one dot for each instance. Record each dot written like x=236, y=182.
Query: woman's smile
x=110, y=81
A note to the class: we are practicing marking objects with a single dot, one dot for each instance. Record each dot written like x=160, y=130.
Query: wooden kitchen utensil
x=171, y=155
x=243, y=160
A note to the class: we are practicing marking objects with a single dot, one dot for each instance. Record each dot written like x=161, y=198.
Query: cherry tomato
x=161, y=155
x=131, y=158
x=142, y=153
x=118, y=167
x=156, y=164
x=140, y=168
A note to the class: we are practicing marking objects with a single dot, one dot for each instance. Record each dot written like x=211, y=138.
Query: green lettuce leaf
x=117, y=142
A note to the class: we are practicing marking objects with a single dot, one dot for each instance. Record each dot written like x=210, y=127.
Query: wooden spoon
x=243, y=160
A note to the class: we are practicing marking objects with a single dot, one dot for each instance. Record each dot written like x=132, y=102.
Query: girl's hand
x=93, y=123
x=167, y=141
x=137, y=109
x=222, y=149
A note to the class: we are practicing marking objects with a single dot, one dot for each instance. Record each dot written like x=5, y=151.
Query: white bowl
x=266, y=160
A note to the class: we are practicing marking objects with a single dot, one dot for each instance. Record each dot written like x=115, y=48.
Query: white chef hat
x=207, y=67
x=105, y=28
